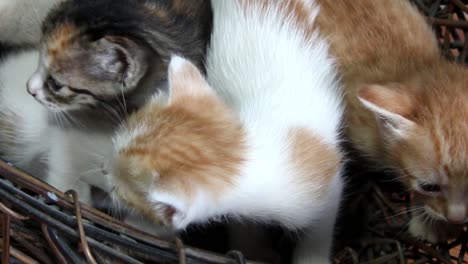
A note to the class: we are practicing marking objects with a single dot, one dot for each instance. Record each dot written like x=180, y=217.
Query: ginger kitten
x=406, y=106
x=260, y=141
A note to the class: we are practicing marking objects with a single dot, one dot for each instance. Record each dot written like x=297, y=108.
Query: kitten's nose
x=34, y=85
x=456, y=214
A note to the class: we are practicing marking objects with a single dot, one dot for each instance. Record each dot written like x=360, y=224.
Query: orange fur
x=389, y=57
x=317, y=161
x=193, y=142
x=60, y=40
x=299, y=11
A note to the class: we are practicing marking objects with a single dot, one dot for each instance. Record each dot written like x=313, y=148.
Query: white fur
x=266, y=71
x=20, y=20
x=31, y=135
x=73, y=158
x=77, y=160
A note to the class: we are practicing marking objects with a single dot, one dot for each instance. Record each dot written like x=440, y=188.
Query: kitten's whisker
x=122, y=109
x=58, y=118
x=74, y=120
x=111, y=113
x=406, y=211
x=123, y=95
x=415, y=218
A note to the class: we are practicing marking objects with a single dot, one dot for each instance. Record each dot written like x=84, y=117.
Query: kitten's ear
x=186, y=80
x=121, y=59
x=392, y=105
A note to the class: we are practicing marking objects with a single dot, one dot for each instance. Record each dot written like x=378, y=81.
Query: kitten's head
x=178, y=150
x=424, y=127
x=88, y=59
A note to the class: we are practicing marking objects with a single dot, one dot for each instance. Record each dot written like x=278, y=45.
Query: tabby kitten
x=95, y=53
x=406, y=105
x=99, y=61
x=260, y=143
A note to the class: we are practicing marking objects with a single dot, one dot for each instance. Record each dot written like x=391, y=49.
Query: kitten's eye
x=54, y=85
x=430, y=188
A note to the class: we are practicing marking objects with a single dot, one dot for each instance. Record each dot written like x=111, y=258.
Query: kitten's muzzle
x=456, y=214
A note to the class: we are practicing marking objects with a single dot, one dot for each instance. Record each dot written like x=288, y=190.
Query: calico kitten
x=100, y=60
x=29, y=141
x=406, y=106
x=20, y=20
x=95, y=53
x=260, y=143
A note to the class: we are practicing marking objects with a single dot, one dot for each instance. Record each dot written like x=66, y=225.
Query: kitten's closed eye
x=53, y=84
x=430, y=188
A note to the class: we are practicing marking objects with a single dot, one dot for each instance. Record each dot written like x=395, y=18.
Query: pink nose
x=31, y=91
x=34, y=85
x=456, y=214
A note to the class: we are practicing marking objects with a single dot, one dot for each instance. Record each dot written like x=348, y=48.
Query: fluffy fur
x=259, y=142
x=23, y=121
x=65, y=159
x=20, y=20
x=407, y=105
x=99, y=56
x=99, y=60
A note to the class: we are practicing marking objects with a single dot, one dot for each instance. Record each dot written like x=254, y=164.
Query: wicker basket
x=43, y=225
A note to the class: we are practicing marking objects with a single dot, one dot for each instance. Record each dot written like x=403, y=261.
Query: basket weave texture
x=43, y=225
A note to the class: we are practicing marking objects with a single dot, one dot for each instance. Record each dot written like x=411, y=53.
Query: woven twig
x=61, y=230
x=75, y=233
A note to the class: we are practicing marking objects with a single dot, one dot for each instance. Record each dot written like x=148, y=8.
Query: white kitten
x=260, y=141
x=262, y=65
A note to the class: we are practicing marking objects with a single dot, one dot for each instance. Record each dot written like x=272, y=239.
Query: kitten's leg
x=65, y=166
x=317, y=241
x=432, y=231
x=64, y=182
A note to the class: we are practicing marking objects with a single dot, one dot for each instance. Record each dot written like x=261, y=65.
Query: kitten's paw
x=435, y=232
x=169, y=214
x=423, y=231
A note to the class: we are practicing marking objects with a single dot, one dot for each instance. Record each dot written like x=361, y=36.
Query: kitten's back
x=278, y=71
x=380, y=38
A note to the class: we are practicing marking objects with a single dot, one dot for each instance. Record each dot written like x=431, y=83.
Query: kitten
x=95, y=53
x=29, y=141
x=260, y=143
x=20, y=20
x=406, y=105
x=99, y=61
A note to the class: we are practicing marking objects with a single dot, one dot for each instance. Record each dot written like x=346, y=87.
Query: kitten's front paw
x=423, y=231
x=170, y=216
x=433, y=232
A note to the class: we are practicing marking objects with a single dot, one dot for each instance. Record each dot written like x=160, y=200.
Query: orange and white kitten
x=407, y=106
x=259, y=142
